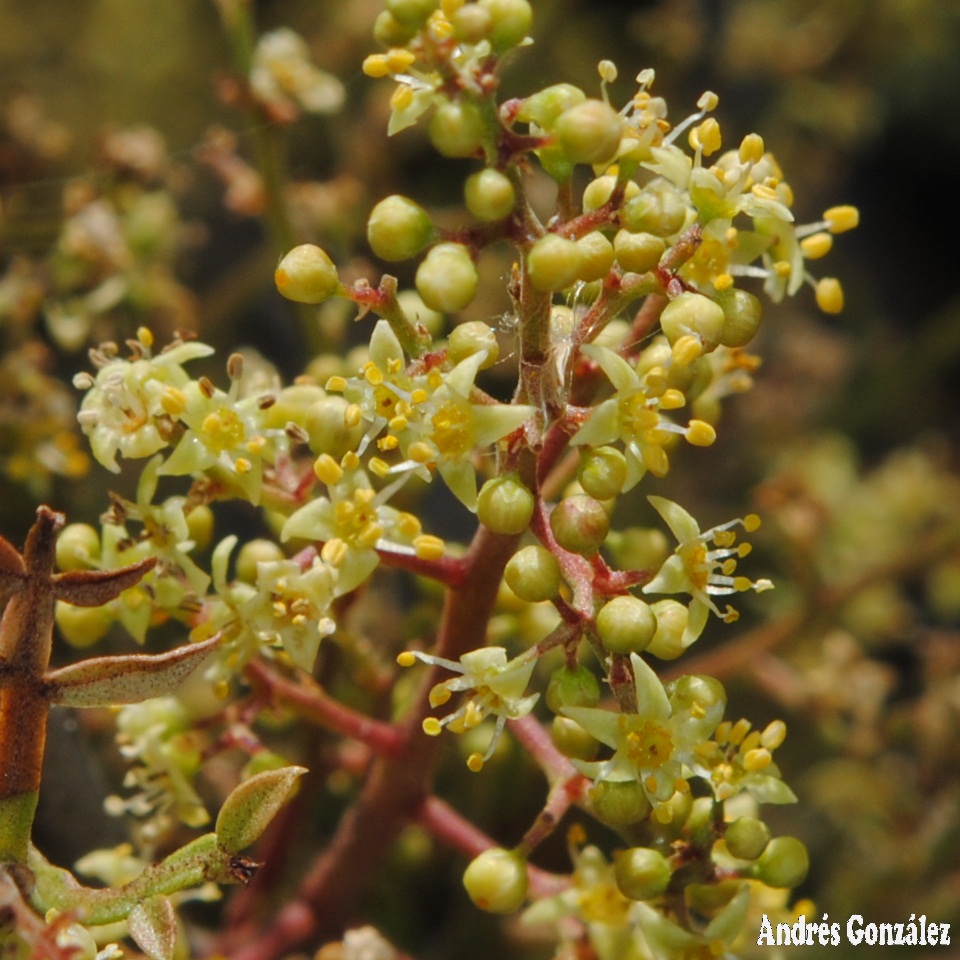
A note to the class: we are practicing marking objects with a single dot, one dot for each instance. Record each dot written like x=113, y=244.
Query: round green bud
x=505, y=505
x=596, y=257
x=291, y=405
x=626, y=624
x=603, y=471
x=619, y=803
x=695, y=694
x=597, y=192
x=82, y=627
x=510, y=22
x=533, y=574
x=200, y=523
x=590, y=132
x=390, y=32
x=473, y=337
x=489, y=195
x=572, y=688
x=410, y=13
x=572, y=740
x=667, y=642
x=497, y=880
x=447, y=278
x=641, y=873
x=640, y=548
x=471, y=23
x=544, y=106
x=746, y=838
x=327, y=429
x=693, y=314
x=398, y=228
x=638, y=252
x=457, y=129
x=254, y=552
x=78, y=546
x=554, y=262
x=659, y=210
x=307, y=275
x=580, y=524
x=783, y=863
x=743, y=312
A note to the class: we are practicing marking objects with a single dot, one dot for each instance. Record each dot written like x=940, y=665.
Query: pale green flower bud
x=667, y=642
x=533, y=574
x=619, y=803
x=638, y=252
x=457, y=129
x=626, y=624
x=200, y=523
x=254, y=552
x=580, y=524
x=78, y=547
x=411, y=13
x=554, y=262
x=641, y=873
x=390, y=32
x=590, y=132
x=489, y=195
x=510, y=22
x=597, y=192
x=82, y=627
x=328, y=430
x=307, y=275
x=497, y=880
x=596, y=256
x=572, y=688
x=743, y=312
x=505, y=505
x=783, y=863
x=398, y=228
x=544, y=106
x=447, y=278
x=603, y=471
x=746, y=838
x=640, y=548
x=572, y=740
x=473, y=337
x=693, y=314
x=471, y=23
x=659, y=210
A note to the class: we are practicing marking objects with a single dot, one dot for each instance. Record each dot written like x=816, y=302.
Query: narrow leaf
x=131, y=678
x=93, y=588
x=248, y=810
x=153, y=925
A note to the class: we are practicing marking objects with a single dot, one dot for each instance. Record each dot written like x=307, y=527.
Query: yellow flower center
x=223, y=429
x=451, y=431
x=650, y=746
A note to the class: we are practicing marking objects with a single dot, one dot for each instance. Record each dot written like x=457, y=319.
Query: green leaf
x=111, y=681
x=248, y=810
x=153, y=926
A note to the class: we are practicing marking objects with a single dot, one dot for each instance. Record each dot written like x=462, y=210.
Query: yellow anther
x=388, y=442
x=327, y=469
x=439, y=695
x=402, y=97
x=663, y=812
x=376, y=66
x=419, y=395
x=256, y=444
x=829, y=295
x=750, y=742
x=724, y=538
x=741, y=583
x=730, y=615
x=399, y=60
x=372, y=374
x=370, y=536
x=406, y=659
x=744, y=549
x=408, y=524
x=432, y=727
x=782, y=269
x=700, y=433
x=145, y=337
x=472, y=715
x=842, y=218
x=352, y=416
x=173, y=401
x=672, y=399
x=607, y=70
x=751, y=148
x=379, y=467
x=334, y=552
x=420, y=452
x=337, y=384
x=722, y=281
x=774, y=733
x=475, y=762
x=738, y=731
x=817, y=245
x=762, y=192
x=687, y=349
x=655, y=460
x=350, y=460
x=708, y=100
x=758, y=759
x=398, y=424
x=242, y=465
x=428, y=547
x=450, y=7
x=751, y=522
x=728, y=566
x=655, y=381
x=722, y=736
x=651, y=783
x=706, y=136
